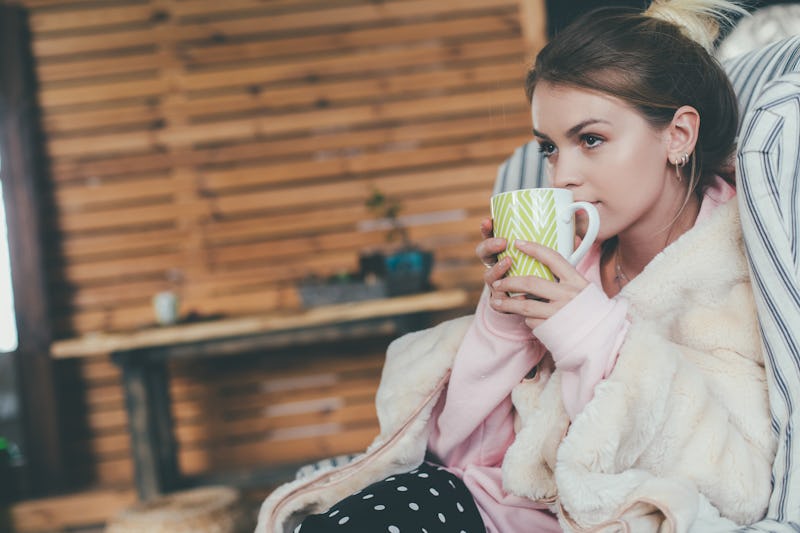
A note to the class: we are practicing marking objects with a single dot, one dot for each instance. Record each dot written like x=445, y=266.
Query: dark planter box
x=403, y=272
x=408, y=272
x=314, y=294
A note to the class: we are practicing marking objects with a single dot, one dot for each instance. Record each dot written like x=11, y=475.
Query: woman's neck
x=630, y=252
x=635, y=250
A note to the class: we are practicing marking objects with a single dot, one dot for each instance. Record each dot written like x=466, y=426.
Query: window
x=8, y=323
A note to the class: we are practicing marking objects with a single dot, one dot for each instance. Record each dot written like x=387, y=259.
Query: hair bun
x=700, y=20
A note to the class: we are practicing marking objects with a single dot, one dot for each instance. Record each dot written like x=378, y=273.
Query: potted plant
x=406, y=269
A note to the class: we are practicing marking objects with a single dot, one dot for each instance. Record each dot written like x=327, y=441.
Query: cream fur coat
x=677, y=438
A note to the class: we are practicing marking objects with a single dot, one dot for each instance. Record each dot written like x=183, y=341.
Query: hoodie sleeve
x=584, y=338
x=475, y=423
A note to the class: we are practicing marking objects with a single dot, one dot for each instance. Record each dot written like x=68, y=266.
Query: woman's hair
x=656, y=62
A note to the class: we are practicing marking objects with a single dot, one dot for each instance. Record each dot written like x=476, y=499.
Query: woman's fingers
x=558, y=265
x=543, y=298
x=497, y=271
x=530, y=309
x=487, y=228
x=538, y=288
x=488, y=249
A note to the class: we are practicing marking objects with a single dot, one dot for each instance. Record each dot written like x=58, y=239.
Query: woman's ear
x=682, y=132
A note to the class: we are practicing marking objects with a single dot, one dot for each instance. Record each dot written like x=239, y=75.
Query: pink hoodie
x=474, y=425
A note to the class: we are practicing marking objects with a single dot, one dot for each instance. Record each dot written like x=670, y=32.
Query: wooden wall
x=226, y=150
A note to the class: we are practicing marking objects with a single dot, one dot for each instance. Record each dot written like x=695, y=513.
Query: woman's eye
x=591, y=141
x=547, y=148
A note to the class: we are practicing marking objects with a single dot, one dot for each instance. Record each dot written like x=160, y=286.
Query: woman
x=632, y=390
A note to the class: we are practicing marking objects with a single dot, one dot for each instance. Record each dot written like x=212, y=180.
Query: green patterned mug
x=545, y=216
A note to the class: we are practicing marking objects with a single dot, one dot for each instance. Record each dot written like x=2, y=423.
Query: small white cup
x=545, y=216
x=165, y=307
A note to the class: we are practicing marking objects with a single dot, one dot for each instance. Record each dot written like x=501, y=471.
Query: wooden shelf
x=96, y=344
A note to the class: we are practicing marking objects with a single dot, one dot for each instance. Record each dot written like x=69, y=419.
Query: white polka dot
x=441, y=518
x=462, y=531
x=394, y=529
x=297, y=529
x=334, y=513
x=414, y=471
x=424, y=530
x=379, y=507
x=434, y=492
x=367, y=496
x=390, y=478
x=423, y=474
x=401, y=488
x=343, y=520
x=459, y=507
x=451, y=483
x=413, y=506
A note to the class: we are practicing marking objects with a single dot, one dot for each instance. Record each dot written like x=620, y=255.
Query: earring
x=680, y=163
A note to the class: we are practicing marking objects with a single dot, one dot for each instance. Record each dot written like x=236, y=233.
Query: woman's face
x=607, y=154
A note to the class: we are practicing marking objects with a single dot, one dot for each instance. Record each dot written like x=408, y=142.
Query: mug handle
x=591, y=231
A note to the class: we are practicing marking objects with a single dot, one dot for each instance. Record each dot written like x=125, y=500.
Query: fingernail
x=497, y=301
x=496, y=284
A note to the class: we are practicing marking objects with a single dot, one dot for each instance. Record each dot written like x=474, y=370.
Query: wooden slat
x=112, y=91
x=91, y=18
x=347, y=92
x=292, y=369
x=120, y=117
x=99, y=193
x=377, y=60
x=287, y=123
x=81, y=248
x=60, y=46
x=323, y=18
x=477, y=151
x=138, y=216
x=331, y=93
x=326, y=440
x=346, y=214
x=197, y=54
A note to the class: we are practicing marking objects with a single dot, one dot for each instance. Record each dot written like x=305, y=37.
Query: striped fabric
x=769, y=175
x=767, y=85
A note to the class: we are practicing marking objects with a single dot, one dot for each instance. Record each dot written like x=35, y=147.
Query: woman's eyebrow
x=574, y=130
x=588, y=122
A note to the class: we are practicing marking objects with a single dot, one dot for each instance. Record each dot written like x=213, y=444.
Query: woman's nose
x=563, y=174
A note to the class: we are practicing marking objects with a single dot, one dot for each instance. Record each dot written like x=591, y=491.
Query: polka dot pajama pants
x=426, y=500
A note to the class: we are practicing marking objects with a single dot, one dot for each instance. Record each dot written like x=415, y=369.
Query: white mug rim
x=515, y=191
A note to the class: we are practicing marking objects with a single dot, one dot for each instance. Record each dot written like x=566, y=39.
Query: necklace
x=619, y=276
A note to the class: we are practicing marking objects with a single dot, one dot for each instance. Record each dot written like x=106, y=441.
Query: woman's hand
x=487, y=251
x=543, y=298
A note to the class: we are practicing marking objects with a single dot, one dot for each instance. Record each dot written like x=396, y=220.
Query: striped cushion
x=769, y=176
x=767, y=84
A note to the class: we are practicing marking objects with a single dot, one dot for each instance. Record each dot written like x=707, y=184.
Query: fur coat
x=677, y=438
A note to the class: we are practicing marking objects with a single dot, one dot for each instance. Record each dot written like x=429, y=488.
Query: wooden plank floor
x=79, y=511
x=88, y=511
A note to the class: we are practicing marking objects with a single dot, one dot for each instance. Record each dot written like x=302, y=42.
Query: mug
x=165, y=307
x=545, y=216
